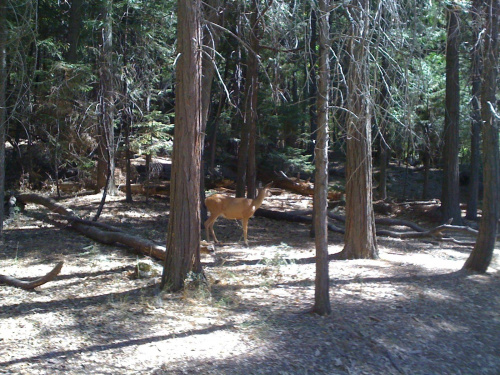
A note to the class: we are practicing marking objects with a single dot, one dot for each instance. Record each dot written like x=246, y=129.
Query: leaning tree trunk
x=360, y=240
x=3, y=117
x=183, y=237
x=322, y=282
x=475, y=137
x=450, y=196
x=482, y=253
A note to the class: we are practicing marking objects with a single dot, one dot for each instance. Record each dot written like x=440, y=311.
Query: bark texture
x=3, y=109
x=322, y=283
x=481, y=255
x=475, y=137
x=183, y=238
x=450, y=196
x=360, y=240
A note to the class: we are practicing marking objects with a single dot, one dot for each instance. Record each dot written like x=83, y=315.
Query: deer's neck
x=260, y=198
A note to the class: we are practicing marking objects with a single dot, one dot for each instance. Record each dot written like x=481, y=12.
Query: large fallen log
x=418, y=232
x=28, y=285
x=96, y=231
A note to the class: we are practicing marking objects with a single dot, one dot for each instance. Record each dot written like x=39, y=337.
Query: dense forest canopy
x=53, y=67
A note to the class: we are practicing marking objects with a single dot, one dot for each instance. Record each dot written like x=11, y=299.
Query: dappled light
x=410, y=309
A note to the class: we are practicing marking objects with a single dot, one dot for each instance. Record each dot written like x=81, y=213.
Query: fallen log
x=278, y=215
x=303, y=187
x=99, y=232
x=419, y=232
x=28, y=285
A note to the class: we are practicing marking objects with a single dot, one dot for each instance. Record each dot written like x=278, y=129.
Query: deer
x=233, y=208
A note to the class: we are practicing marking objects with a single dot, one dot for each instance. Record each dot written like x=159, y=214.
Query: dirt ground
x=411, y=312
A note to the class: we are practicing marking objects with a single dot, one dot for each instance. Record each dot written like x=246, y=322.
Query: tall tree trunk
x=384, y=147
x=106, y=157
x=481, y=255
x=74, y=29
x=450, y=196
x=3, y=109
x=213, y=13
x=246, y=176
x=475, y=138
x=313, y=87
x=126, y=113
x=360, y=240
x=183, y=237
x=322, y=283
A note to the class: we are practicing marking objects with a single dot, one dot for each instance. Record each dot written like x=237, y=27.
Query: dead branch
x=28, y=285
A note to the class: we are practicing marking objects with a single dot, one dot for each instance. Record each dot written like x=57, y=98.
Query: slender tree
x=360, y=240
x=450, y=196
x=3, y=109
x=183, y=237
x=246, y=157
x=475, y=137
x=481, y=255
x=322, y=289
x=106, y=157
x=74, y=29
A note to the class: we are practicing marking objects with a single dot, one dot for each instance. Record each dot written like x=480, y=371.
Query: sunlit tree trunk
x=360, y=240
x=450, y=196
x=183, y=237
x=322, y=284
x=481, y=255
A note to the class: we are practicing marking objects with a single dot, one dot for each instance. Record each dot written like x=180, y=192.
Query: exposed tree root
x=27, y=285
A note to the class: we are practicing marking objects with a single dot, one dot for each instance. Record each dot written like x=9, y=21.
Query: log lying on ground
x=418, y=232
x=99, y=232
x=28, y=285
x=303, y=187
x=278, y=215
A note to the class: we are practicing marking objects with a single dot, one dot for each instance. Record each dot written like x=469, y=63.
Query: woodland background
x=377, y=109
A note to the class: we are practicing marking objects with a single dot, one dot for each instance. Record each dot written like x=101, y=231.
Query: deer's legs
x=209, y=227
x=244, y=221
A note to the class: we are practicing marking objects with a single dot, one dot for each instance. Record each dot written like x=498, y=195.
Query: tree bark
x=183, y=238
x=481, y=255
x=360, y=240
x=246, y=157
x=384, y=98
x=475, y=137
x=106, y=150
x=322, y=282
x=97, y=231
x=74, y=29
x=3, y=109
x=450, y=196
x=313, y=87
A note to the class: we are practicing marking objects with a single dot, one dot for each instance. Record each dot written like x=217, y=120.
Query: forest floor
x=410, y=312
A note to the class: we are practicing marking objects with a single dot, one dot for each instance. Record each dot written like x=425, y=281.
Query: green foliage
x=292, y=160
